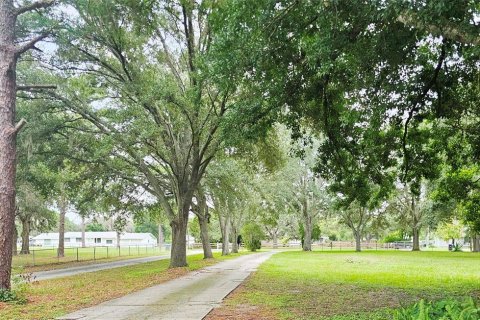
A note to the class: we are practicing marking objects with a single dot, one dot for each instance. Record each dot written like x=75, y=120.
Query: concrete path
x=59, y=273
x=190, y=297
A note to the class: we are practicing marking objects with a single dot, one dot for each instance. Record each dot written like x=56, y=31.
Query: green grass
x=40, y=257
x=49, y=299
x=348, y=285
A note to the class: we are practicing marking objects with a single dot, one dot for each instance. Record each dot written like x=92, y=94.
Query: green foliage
x=457, y=247
x=393, y=237
x=440, y=310
x=332, y=237
x=252, y=235
x=452, y=230
x=18, y=292
x=316, y=232
x=95, y=226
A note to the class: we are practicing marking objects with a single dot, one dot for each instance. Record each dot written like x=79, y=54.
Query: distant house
x=109, y=238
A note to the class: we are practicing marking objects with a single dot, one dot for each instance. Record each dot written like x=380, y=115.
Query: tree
x=379, y=85
x=451, y=230
x=95, y=227
x=201, y=210
x=12, y=46
x=411, y=211
x=33, y=213
x=161, y=114
x=357, y=217
x=252, y=235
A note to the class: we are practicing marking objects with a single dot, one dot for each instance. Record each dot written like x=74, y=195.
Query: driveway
x=190, y=297
x=59, y=273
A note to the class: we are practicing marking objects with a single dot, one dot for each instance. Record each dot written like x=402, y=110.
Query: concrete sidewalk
x=59, y=273
x=190, y=297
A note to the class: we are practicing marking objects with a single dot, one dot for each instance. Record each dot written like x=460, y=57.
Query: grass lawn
x=349, y=285
x=52, y=298
x=42, y=258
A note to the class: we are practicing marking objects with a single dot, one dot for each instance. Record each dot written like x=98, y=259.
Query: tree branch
x=30, y=44
x=36, y=87
x=33, y=6
x=20, y=125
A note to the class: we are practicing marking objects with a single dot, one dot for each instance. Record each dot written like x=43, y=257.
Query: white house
x=108, y=238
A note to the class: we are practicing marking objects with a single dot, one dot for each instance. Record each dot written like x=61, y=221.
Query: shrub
x=393, y=237
x=440, y=310
x=457, y=247
x=252, y=235
x=18, y=293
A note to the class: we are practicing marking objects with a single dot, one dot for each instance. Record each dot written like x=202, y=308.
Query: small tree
x=451, y=230
x=252, y=235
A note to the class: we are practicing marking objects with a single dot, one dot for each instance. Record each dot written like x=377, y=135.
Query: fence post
x=94, y=249
x=77, y=254
x=138, y=250
x=107, y=252
x=33, y=257
x=128, y=250
x=119, y=251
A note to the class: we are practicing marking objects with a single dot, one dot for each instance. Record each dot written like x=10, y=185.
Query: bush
x=457, y=247
x=252, y=235
x=440, y=310
x=393, y=237
x=18, y=293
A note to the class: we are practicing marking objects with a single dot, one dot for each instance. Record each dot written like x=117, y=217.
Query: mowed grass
x=39, y=257
x=52, y=298
x=349, y=285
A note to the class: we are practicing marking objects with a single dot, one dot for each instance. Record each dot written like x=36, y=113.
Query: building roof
x=104, y=235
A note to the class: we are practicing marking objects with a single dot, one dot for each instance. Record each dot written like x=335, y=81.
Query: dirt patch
x=240, y=312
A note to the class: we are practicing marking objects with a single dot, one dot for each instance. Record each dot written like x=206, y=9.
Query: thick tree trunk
x=207, y=249
x=25, y=237
x=14, y=242
x=62, y=205
x=7, y=138
x=416, y=239
x=476, y=243
x=358, y=240
x=83, y=232
x=415, y=224
x=225, y=229
x=178, y=255
x=308, y=227
x=234, y=240
x=160, y=236
x=275, y=239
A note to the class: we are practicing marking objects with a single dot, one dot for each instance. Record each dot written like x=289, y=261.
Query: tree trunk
x=178, y=255
x=118, y=239
x=83, y=232
x=275, y=239
x=8, y=135
x=14, y=242
x=160, y=236
x=25, y=237
x=207, y=249
x=225, y=229
x=234, y=240
x=476, y=243
x=416, y=239
x=358, y=240
x=307, y=238
x=62, y=205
